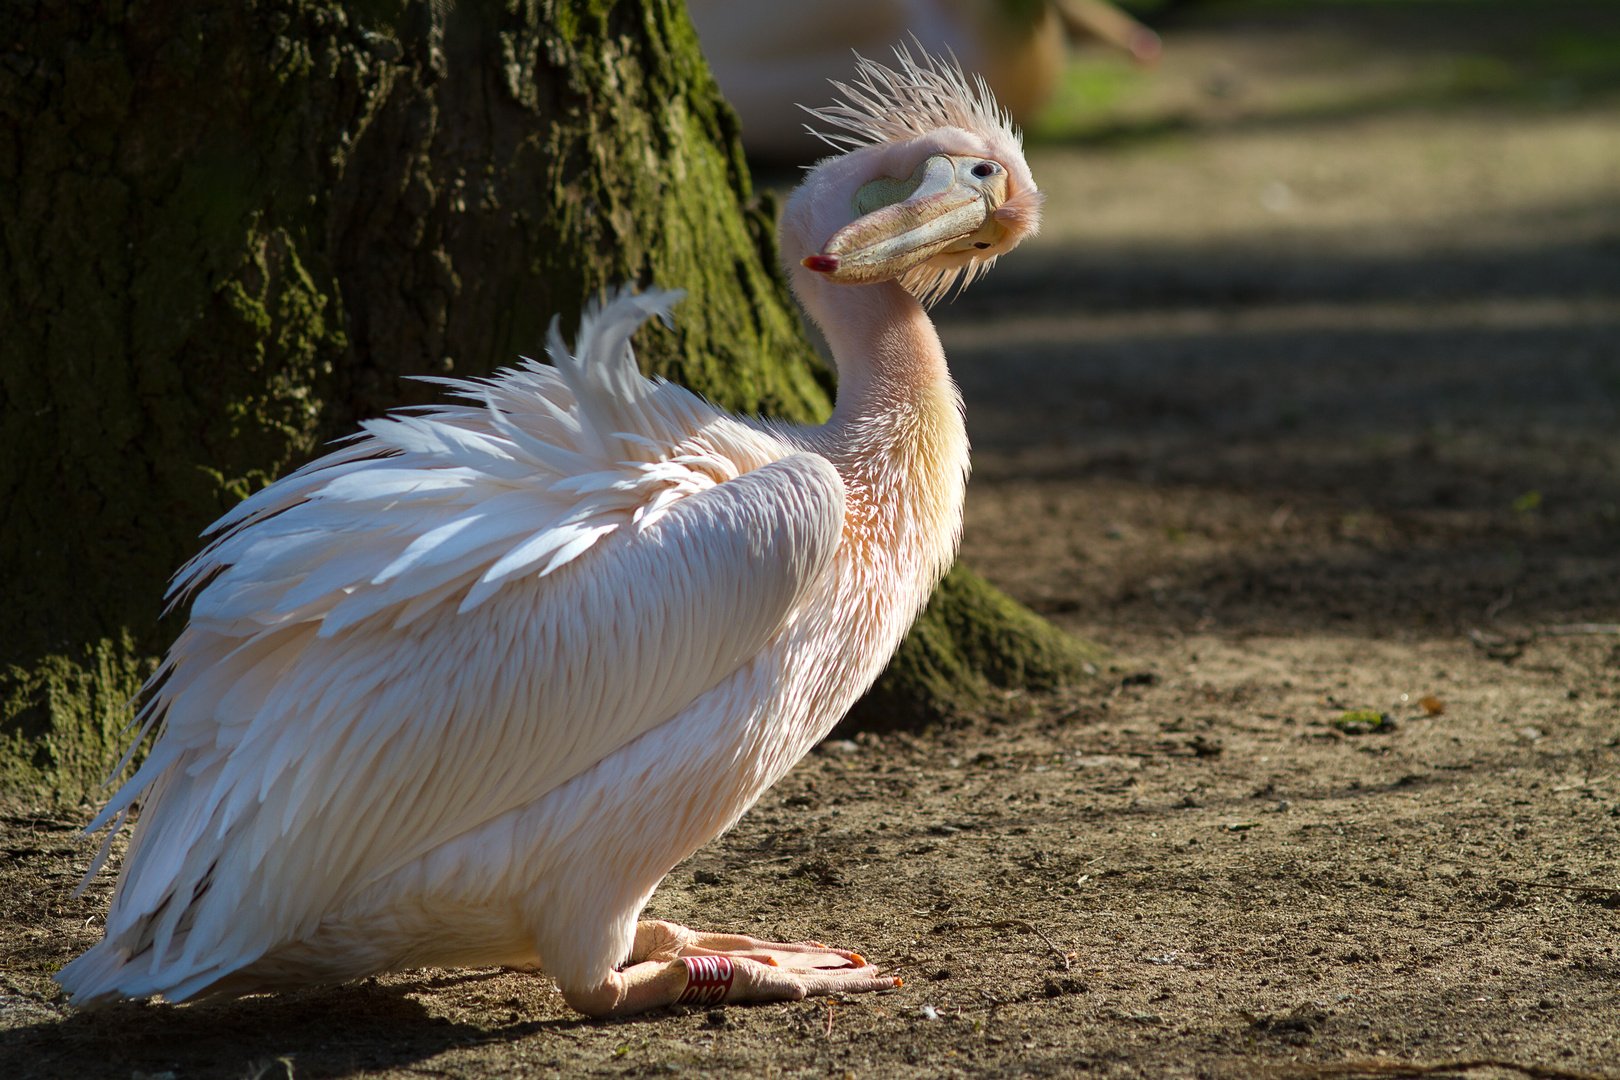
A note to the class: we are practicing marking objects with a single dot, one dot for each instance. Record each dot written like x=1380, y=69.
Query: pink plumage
x=463, y=691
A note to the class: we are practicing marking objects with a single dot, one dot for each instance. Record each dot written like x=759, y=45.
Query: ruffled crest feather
x=888, y=105
x=884, y=105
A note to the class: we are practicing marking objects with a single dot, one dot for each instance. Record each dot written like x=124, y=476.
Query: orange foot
x=672, y=964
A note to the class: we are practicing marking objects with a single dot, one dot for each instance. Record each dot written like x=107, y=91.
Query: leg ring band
x=708, y=980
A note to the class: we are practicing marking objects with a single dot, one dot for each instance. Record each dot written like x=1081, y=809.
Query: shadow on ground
x=1281, y=447
x=1265, y=439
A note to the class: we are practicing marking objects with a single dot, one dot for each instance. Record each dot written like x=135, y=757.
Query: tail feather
x=595, y=446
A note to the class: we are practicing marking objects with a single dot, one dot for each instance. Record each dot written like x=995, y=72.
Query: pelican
x=462, y=692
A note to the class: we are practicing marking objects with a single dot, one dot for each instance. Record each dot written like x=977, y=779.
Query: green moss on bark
x=166, y=349
x=230, y=229
x=64, y=722
x=971, y=642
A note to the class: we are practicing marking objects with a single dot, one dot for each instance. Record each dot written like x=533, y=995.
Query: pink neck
x=888, y=355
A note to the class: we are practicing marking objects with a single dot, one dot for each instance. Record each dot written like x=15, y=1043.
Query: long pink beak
x=945, y=211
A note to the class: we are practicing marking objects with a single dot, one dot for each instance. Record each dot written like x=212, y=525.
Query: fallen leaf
x=1365, y=722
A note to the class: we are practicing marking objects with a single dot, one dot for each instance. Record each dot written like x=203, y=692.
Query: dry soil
x=1305, y=407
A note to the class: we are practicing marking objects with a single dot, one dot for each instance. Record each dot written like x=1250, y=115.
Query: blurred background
x=1323, y=326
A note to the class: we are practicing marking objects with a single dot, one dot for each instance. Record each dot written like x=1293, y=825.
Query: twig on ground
x=1014, y=924
x=1604, y=889
x=1570, y=629
x=1383, y=1067
x=1497, y=606
x=259, y=1068
x=1499, y=647
x=1511, y=646
x=1596, y=780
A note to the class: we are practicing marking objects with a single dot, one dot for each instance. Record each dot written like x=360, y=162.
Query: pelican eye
x=986, y=168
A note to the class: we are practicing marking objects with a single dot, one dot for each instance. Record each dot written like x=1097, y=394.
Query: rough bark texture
x=229, y=229
x=971, y=642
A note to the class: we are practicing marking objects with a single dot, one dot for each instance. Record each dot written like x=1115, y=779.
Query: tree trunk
x=229, y=230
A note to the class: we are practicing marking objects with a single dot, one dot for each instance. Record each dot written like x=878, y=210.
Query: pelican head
x=932, y=187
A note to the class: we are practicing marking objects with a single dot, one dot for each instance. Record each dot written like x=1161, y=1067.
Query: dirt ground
x=1304, y=406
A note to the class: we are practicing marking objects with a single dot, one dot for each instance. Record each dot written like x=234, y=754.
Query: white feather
x=463, y=690
x=447, y=604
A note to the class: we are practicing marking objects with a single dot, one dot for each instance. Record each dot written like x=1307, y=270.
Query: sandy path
x=1314, y=371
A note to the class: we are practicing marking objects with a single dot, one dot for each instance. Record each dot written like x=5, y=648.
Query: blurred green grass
x=1150, y=7
x=1316, y=60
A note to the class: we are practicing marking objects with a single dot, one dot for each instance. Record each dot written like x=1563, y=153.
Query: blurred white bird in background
x=769, y=57
x=463, y=691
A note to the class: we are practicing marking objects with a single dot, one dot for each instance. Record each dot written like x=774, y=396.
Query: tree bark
x=229, y=230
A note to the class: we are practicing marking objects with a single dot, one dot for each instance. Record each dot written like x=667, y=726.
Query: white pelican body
x=465, y=690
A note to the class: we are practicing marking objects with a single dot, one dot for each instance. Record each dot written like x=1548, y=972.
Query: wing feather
x=401, y=753
x=441, y=627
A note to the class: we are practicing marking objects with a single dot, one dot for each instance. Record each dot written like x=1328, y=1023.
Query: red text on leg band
x=708, y=979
